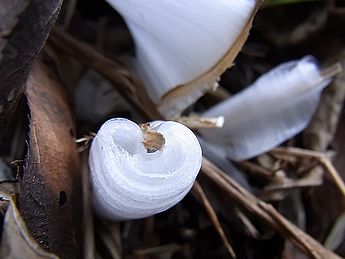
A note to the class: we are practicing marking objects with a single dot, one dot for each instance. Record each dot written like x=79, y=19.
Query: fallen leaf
x=16, y=242
x=24, y=28
x=50, y=194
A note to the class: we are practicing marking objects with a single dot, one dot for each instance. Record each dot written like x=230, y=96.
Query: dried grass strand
x=265, y=212
x=88, y=228
x=213, y=217
x=324, y=160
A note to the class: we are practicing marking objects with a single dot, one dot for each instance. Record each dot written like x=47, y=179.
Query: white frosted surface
x=179, y=40
x=276, y=107
x=128, y=182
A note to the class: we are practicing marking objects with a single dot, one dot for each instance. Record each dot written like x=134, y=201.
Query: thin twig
x=197, y=122
x=257, y=169
x=213, y=217
x=291, y=229
x=85, y=141
x=331, y=71
x=89, y=241
x=326, y=163
x=264, y=211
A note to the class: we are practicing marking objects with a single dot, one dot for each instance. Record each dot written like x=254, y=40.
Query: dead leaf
x=16, y=242
x=50, y=189
x=24, y=28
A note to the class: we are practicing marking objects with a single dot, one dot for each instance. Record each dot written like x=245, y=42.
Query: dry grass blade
x=88, y=228
x=248, y=225
x=265, y=212
x=84, y=142
x=127, y=85
x=213, y=217
x=197, y=122
x=257, y=169
x=328, y=166
x=337, y=233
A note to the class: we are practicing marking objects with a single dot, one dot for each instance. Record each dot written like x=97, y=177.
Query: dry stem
x=213, y=217
x=265, y=212
x=326, y=163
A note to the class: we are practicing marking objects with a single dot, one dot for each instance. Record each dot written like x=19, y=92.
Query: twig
x=265, y=211
x=213, y=217
x=296, y=233
x=257, y=169
x=84, y=142
x=197, y=122
x=248, y=225
x=331, y=71
x=328, y=166
x=127, y=85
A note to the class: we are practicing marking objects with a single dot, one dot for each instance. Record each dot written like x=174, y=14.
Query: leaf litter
x=219, y=211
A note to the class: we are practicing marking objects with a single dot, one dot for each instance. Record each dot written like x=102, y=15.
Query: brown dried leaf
x=16, y=242
x=153, y=140
x=50, y=189
x=24, y=28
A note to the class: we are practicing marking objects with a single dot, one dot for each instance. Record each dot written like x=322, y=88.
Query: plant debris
x=65, y=68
